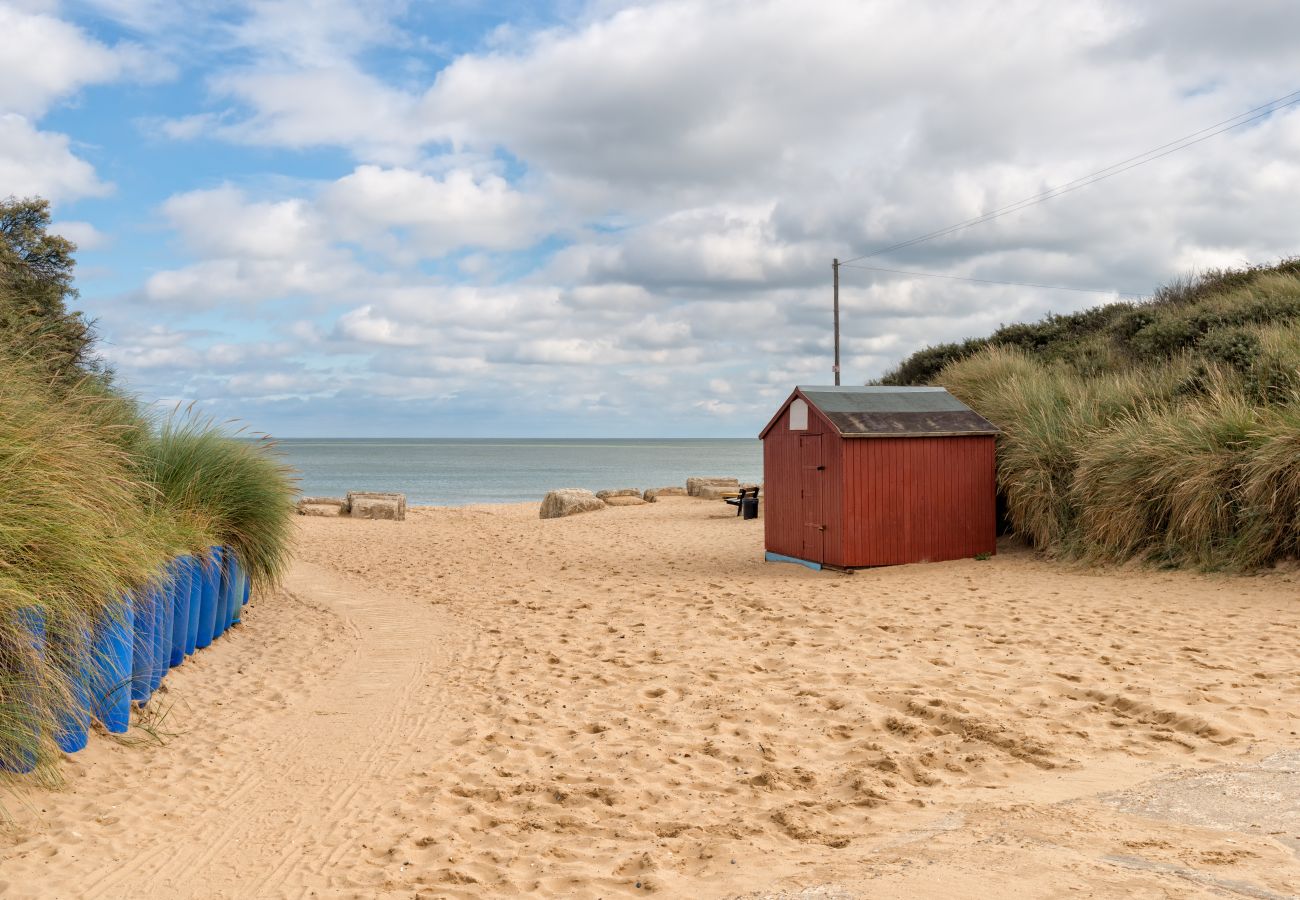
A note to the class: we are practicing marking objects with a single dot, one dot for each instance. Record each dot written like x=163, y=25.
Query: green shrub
x=1237, y=348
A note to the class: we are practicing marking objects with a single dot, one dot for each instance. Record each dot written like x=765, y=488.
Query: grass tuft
x=238, y=491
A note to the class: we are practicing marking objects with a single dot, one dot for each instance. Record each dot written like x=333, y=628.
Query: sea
x=456, y=472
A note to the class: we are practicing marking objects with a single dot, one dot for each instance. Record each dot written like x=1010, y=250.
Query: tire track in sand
x=326, y=766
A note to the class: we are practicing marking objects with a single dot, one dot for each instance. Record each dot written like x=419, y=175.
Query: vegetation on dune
x=1167, y=431
x=236, y=491
x=95, y=496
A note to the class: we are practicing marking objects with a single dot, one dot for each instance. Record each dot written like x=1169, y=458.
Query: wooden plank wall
x=782, y=479
x=917, y=499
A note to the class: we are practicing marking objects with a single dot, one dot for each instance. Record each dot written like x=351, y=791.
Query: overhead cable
x=1050, y=287
x=1132, y=162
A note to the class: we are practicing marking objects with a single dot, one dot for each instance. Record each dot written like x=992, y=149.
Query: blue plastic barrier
x=223, y=595
x=142, y=642
x=124, y=656
x=31, y=620
x=72, y=730
x=180, y=596
x=239, y=593
x=158, y=661
x=211, y=590
x=111, y=666
x=196, y=602
x=233, y=588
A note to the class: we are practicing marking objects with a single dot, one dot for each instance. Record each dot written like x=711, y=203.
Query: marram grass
x=237, y=491
x=1167, y=431
x=94, y=499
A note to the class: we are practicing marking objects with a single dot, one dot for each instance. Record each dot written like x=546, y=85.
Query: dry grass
x=96, y=502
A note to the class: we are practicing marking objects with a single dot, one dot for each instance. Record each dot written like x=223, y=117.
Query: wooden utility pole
x=835, y=267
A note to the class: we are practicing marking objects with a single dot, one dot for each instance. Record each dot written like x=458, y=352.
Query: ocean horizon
x=462, y=471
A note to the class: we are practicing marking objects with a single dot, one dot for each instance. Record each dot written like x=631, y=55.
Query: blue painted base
x=769, y=556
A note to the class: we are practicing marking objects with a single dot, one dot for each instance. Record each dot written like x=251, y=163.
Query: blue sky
x=334, y=218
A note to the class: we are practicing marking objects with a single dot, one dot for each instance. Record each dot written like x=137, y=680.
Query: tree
x=35, y=288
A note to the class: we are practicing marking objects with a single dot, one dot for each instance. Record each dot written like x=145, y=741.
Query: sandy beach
x=478, y=703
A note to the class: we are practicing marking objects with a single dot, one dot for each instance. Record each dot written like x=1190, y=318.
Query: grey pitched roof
x=878, y=411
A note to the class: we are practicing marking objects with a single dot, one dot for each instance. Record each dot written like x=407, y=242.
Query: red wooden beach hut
x=875, y=476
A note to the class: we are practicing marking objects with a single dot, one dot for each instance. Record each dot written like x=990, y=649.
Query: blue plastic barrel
x=223, y=594
x=72, y=727
x=248, y=589
x=232, y=586
x=180, y=597
x=111, y=664
x=211, y=589
x=230, y=589
x=240, y=591
x=161, y=636
x=163, y=662
x=32, y=621
x=196, y=603
x=142, y=644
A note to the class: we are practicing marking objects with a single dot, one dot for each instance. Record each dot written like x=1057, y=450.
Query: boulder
x=568, y=501
x=717, y=491
x=624, y=500
x=330, y=510
x=621, y=492
x=693, y=485
x=377, y=505
x=337, y=503
x=376, y=508
x=652, y=493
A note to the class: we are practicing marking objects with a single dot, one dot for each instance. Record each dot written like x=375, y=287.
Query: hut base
x=769, y=556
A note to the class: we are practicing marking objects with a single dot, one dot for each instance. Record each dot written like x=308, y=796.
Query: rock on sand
x=568, y=501
x=694, y=486
x=651, y=494
x=624, y=500
x=322, y=506
x=377, y=505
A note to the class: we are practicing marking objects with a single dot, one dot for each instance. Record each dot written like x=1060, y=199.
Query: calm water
x=451, y=472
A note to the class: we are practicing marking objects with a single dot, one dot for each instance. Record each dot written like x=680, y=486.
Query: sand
x=478, y=703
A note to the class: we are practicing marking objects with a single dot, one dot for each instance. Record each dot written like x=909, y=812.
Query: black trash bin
x=749, y=508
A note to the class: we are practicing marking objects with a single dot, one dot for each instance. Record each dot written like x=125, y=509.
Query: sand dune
x=479, y=703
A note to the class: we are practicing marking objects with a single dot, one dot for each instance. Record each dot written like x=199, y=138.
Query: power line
x=1132, y=162
x=1050, y=287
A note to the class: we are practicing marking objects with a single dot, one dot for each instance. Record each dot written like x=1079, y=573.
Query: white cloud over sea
x=332, y=217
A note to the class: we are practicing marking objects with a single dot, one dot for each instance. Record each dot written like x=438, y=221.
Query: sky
x=386, y=218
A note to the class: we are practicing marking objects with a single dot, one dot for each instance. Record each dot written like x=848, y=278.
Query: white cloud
x=223, y=222
x=83, y=234
x=216, y=282
x=439, y=214
x=701, y=162
x=42, y=162
x=315, y=33
x=336, y=105
x=45, y=59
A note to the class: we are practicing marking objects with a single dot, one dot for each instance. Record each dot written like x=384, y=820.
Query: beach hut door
x=812, y=478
